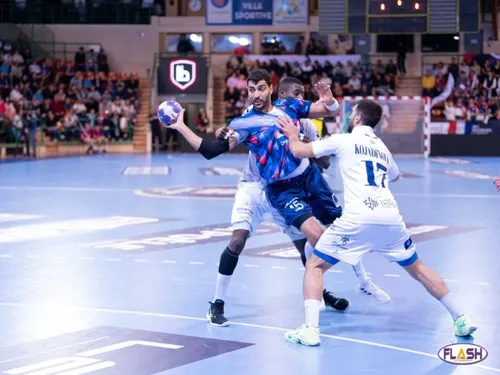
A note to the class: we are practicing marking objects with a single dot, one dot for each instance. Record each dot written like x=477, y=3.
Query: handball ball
x=168, y=111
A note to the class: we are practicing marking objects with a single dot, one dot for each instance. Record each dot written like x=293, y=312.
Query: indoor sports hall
x=108, y=262
x=114, y=228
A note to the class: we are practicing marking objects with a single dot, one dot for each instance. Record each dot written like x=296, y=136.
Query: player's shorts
x=348, y=242
x=251, y=208
x=299, y=198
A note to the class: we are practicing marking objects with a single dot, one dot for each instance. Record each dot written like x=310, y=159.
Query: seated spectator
x=349, y=79
x=64, y=96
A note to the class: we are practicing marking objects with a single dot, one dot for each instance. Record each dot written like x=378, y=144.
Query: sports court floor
x=107, y=264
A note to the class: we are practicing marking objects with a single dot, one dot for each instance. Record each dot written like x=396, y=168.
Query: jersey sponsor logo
x=147, y=171
x=201, y=192
x=49, y=230
x=221, y=171
x=183, y=73
x=419, y=232
x=109, y=351
x=471, y=175
x=452, y=161
x=177, y=238
x=462, y=354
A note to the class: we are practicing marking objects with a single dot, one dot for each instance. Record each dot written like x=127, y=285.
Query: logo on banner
x=183, y=73
x=463, y=354
x=219, y=3
x=221, y=192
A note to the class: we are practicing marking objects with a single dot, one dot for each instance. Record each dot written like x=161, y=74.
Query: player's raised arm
x=208, y=149
x=327, y=105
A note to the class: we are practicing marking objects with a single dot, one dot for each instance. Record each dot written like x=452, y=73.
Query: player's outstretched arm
x=299, y=149
x=208, y=149
x=497, y=183
x=327, y=105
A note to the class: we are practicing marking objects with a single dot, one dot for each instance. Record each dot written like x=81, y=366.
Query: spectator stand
x=347, y=75
x=465, y=92
x=52, y=100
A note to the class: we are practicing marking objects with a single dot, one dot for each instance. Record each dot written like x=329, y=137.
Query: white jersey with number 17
x=366, y=166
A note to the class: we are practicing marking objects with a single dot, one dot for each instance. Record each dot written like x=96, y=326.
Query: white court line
x=64, y=188
x=55, y=349
x=169, y=261
x=86, y=258
x=451, y=280
x=278, y=267
x=113, y=260
x=141, y=260
x=6, y=256
x=480, y=283
x=271, y=328
x=391, y=275
x=197, y=263
x=436, y=195
x=335, y=271
x=82, y=189
x=251, y=265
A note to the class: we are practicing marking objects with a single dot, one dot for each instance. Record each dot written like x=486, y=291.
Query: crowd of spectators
x=475, y=95
x=345, y=79
x=75, y=100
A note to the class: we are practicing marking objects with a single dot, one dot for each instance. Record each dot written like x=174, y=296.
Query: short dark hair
x=257, y=75
x=370, y=111
x=287, y=82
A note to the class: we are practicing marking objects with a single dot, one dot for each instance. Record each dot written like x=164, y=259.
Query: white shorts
x=251, y=208
x=348, y=242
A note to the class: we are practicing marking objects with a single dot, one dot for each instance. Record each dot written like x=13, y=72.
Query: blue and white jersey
x=251, y=173
x=267, y=143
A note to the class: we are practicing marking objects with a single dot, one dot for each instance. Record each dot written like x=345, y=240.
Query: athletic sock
x=452, y=306
x=359, y=269
x=221, y=286
x=227, y=265
x=312, y=307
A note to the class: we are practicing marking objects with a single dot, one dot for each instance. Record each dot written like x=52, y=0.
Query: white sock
x=451, y=305
x=308, y=249
x=359, y=269
x=312, y=307
x=221, y=286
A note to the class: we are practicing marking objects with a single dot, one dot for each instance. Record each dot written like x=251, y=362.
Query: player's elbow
x=210, y=150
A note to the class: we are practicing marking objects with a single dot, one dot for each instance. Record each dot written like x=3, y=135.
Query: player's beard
x=263, y=104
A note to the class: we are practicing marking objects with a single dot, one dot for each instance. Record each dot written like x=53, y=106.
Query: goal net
x=405, y=124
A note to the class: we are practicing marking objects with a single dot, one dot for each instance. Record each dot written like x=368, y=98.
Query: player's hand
x=224, y=133
x=179, y=123
x=288, y=127
x=497, y=183
x=325, y=93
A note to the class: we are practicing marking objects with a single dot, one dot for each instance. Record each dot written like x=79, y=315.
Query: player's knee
x=238, y=241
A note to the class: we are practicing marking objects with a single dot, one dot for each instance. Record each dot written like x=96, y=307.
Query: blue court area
x=107, y=264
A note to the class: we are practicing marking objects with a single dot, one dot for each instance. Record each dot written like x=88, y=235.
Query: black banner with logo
x=182, y=75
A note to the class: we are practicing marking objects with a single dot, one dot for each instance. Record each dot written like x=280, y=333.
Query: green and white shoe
x=463, y=326
x=304, y=335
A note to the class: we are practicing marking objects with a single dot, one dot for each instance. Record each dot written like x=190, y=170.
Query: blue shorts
x=299, y=198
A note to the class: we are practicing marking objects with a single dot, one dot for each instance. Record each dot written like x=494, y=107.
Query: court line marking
x=53, y=350
x=242, y=324
x=197, y=263
x=141, y=193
